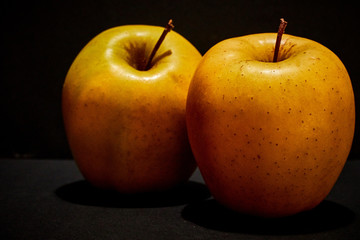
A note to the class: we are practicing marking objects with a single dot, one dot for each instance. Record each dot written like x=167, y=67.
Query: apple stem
x=281, y=31
x=169, y=26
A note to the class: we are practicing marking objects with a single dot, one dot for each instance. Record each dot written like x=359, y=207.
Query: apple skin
x=270, y=139
x=126, y=128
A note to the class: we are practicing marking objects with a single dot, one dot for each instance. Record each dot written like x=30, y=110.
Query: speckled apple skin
x=270, y=139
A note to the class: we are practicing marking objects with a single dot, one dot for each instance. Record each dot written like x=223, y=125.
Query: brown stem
x=281, y=31
x=169, y=26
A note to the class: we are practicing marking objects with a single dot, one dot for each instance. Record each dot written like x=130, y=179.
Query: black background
x=40, y=40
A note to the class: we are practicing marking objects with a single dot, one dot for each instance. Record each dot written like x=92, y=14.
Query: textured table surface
x=49, y=199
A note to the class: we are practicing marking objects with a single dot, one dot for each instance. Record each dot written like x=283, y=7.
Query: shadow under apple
x=326, y=216
x=83, y=193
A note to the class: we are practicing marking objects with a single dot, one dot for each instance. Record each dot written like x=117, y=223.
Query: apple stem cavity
x=169, y=26
x=281, y=31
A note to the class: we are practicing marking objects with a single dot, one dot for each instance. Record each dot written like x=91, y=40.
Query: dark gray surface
x=48, y=199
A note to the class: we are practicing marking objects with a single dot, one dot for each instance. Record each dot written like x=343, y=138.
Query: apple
x=124, y=115
x=270, y=138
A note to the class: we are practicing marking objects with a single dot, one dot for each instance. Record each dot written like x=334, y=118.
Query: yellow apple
x=270, y=138
x=125, y=124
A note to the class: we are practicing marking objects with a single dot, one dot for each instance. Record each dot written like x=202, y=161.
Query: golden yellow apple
x=125, y=123
x=270, y=138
